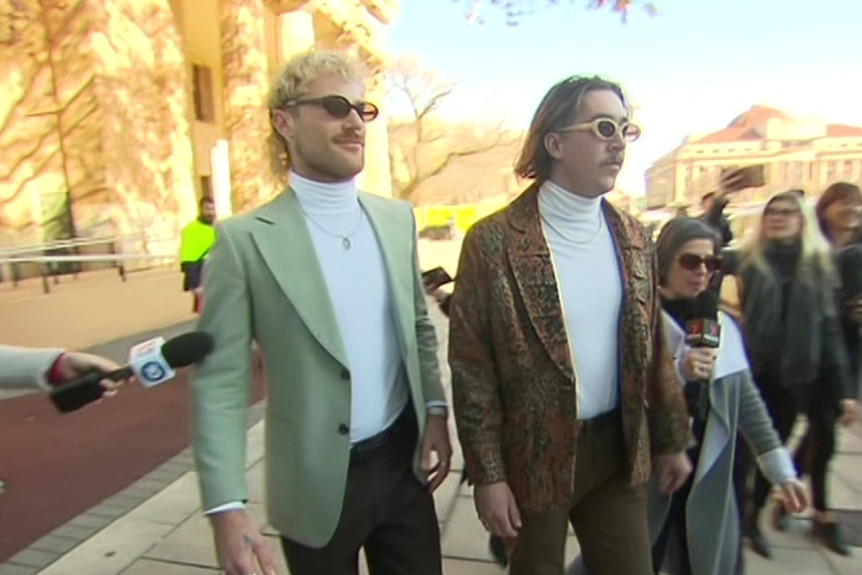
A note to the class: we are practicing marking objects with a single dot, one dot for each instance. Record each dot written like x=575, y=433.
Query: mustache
x=614, y=160
x=351, y=139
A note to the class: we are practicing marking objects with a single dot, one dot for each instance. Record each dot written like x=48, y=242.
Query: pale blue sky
x=691, y=69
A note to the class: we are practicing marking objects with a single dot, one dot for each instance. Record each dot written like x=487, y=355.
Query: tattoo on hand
x=248, y=539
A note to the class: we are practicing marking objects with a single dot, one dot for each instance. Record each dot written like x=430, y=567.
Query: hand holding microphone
x=151, y=363
x=703, y=335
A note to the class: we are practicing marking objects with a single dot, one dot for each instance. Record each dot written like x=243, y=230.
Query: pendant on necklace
x=346, y=243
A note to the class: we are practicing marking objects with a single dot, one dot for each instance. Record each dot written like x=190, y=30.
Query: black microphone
x=152, y=362
x=703, y=330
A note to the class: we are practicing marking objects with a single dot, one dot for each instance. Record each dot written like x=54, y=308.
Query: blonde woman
x=787, y=282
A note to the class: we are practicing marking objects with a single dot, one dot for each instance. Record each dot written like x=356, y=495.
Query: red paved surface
x=58, y=466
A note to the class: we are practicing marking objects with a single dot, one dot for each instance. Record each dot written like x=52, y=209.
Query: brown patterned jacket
x=512, y=376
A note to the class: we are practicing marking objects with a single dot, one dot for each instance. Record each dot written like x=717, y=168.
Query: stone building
x=117, y=115
x=795, y=152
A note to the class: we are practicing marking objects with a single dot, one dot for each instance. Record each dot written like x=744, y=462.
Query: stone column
x=246, y=83
x=295, y=33
x=376, y=177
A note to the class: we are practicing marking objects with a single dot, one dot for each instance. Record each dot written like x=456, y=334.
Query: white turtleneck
x=359, y=289
x=585, y=263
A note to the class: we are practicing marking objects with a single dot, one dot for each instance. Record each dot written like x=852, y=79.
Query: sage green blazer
x=263, y=282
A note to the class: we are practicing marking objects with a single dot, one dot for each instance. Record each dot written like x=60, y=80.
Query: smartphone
x=436, y=278
x=745, y=177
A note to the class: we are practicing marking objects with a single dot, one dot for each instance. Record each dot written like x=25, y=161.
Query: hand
x=436, y=439
x=198, y=291
x=698, y=363
x=793, y=496
x=671, y=472
x=849, y=412
x=730, y=182
x=75, y=364
x=854, y=311
x=498, y=512
x=238, y=543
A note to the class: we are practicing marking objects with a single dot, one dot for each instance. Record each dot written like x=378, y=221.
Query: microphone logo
x=148, y=364
x=152, y=372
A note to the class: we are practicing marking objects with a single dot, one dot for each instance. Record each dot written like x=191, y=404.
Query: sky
x=691, y=69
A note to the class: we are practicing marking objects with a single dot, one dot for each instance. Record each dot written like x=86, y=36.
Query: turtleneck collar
x=568, y=211
x=323, y=199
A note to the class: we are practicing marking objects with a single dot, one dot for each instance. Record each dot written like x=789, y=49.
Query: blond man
x=325, y=279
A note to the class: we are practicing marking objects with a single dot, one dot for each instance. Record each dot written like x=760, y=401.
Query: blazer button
x=343, y=429
x=345, y=374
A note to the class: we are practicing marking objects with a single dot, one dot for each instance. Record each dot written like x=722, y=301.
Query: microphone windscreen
x=187, y=348
x=705, y=305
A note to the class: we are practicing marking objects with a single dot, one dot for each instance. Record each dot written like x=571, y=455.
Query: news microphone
x=152, y=362
x=703, y=330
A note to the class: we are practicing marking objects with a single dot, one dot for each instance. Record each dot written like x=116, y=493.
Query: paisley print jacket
x=512, y=376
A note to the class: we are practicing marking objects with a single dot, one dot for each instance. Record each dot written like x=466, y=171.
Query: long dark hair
x=557, y=110
x=837, y=192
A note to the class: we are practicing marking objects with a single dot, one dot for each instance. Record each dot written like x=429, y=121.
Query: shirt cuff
x=229, y=506
x=777, y=465
x=436, y=403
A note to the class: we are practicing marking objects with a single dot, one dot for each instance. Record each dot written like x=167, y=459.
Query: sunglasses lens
x=369, y=111
x=337, y=106
x=692, y=262
x=631, y=132
x=606, y=129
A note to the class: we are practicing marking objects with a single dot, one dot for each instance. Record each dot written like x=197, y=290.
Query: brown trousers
x=608, y=514
x=386, y=511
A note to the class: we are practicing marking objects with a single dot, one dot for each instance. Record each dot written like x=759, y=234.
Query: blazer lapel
x=534, y=274
x=281, y=235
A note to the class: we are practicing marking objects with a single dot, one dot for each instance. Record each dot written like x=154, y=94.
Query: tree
x=515, y=10
x=422, y=144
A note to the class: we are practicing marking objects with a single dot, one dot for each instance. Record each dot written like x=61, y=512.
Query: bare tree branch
x=516, y=10
x=421, y=144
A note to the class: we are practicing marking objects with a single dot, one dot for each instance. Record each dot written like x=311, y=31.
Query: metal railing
x=120, y=260
x=46, y=254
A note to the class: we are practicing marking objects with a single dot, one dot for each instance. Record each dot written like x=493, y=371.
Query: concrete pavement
x=156, y=527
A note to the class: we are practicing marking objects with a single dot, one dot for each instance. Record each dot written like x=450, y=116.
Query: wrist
x=57, y=372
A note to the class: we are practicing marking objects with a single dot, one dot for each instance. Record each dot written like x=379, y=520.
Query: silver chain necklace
x=345, y=238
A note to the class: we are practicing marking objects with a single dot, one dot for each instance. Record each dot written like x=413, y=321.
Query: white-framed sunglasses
x=607, y=129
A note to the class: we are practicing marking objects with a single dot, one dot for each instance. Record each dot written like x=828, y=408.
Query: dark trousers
x=609, y=515
x=817, y=448
x=386, y=511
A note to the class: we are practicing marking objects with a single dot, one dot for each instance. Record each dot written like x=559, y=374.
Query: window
x=203, y=93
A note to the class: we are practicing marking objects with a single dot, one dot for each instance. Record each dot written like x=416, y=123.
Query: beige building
x=795, y=152
x=117, y=115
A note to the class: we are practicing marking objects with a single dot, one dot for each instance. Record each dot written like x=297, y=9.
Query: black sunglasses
x=692, y=262
x=340, y=107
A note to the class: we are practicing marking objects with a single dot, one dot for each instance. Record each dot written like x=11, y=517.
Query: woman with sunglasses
x=696, y=531
x=786, y=285
x=839, y=213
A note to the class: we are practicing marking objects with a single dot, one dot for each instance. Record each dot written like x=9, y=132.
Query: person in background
x=839, y=213
x=42, y=368
x=196, y=240
x=786, y=281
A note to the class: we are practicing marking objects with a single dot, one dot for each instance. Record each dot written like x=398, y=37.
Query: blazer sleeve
x=475, y=392
x=23, y=368
x=426, y=335
x=221, y=383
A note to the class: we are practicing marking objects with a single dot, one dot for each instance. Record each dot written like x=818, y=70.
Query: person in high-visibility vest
x=196, y=239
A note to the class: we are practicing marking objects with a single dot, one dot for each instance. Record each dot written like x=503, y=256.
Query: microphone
x=152, y=362
x=703, y=330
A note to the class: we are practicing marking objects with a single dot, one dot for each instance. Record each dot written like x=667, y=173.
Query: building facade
x=795, y=152
x=116, y=116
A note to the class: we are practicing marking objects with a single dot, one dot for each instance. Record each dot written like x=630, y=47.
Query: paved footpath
x=167, y=535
